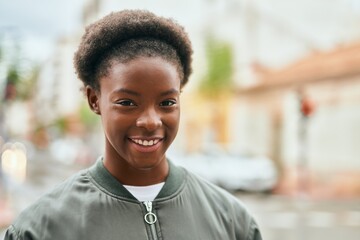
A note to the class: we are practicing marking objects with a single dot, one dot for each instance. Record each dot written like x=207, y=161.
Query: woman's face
x=140, y=109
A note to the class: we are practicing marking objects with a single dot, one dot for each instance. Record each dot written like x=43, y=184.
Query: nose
x=149, y=119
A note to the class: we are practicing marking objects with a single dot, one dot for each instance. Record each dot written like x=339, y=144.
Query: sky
x=37, y=23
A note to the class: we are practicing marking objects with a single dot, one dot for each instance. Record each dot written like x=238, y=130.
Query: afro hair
x=127, y=34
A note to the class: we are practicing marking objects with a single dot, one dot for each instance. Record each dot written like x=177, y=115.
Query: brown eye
x=167, y=103
x=126, y=103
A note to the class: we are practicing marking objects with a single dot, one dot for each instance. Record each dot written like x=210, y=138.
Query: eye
x=126, y=103
x=167, y=103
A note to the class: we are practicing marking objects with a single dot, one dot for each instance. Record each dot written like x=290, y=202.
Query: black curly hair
x=122, y=36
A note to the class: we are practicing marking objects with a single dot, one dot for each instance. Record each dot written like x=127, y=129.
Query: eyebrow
x=128, y=91
x=131, y=92
x=169, y=92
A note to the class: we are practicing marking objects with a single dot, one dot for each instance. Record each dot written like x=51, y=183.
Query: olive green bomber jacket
x=94, y=205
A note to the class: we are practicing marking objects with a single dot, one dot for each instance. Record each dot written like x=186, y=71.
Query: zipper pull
x=150, y=217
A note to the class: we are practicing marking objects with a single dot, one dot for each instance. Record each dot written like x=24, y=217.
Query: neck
x=129, y=175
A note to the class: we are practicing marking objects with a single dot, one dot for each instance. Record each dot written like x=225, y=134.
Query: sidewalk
x=317, y=185
x=287, y=218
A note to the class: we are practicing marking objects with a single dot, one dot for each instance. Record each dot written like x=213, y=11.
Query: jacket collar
x=103, y=177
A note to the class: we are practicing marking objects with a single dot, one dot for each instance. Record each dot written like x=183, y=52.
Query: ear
x=93, y=99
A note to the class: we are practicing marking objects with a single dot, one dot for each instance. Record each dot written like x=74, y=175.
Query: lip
x=145, y=149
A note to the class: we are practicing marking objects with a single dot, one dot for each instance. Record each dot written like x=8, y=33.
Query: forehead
x=142, y=71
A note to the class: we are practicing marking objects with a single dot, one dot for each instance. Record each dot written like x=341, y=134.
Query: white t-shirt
x=145, y=193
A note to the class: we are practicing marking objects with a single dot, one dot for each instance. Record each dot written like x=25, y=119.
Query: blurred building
x=15, y=116
x=280, y=48
x=58, y=87
x=331, y=80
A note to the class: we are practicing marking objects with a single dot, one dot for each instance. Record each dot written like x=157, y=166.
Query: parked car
x=232, y=171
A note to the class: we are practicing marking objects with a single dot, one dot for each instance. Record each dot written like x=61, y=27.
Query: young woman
x=134, y=65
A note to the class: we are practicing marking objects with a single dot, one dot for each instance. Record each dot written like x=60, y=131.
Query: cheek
x=174, y=120
x=115, y=123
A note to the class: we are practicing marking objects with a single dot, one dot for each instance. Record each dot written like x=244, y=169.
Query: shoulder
x=225, y=205
x=52, y=208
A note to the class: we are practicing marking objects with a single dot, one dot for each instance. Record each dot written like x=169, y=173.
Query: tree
x=216, y=87
x=218, y=78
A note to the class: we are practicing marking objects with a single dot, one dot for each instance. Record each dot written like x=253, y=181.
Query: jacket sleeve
x=11, y=234
x=254, y=232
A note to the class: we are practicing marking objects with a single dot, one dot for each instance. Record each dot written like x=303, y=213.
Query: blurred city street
x=279, y=217
x=286, y=218
x=271, y=111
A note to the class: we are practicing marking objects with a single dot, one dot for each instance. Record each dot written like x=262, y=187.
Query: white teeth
x=146, y=142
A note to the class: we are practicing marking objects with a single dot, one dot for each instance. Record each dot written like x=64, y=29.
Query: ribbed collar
x=104, y=178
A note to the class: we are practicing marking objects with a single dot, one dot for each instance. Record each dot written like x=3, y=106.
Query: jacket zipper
x=150, y=218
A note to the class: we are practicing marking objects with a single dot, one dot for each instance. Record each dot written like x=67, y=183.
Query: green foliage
x=24, y=83
x=60, y=124
x=26, y=86
x=220, y=67
x=21, y=74
x=87, y=117
x=13, y=75
x=84, y=117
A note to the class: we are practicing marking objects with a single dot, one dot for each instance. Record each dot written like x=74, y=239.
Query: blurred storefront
x=331, y=81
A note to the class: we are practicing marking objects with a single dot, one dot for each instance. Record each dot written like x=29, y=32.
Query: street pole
x=303, y=180
x=307, y=108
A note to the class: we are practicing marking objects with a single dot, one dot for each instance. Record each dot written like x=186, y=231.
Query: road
x=287, y=218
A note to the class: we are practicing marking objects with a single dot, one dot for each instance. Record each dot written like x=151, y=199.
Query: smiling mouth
x=146, y=143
